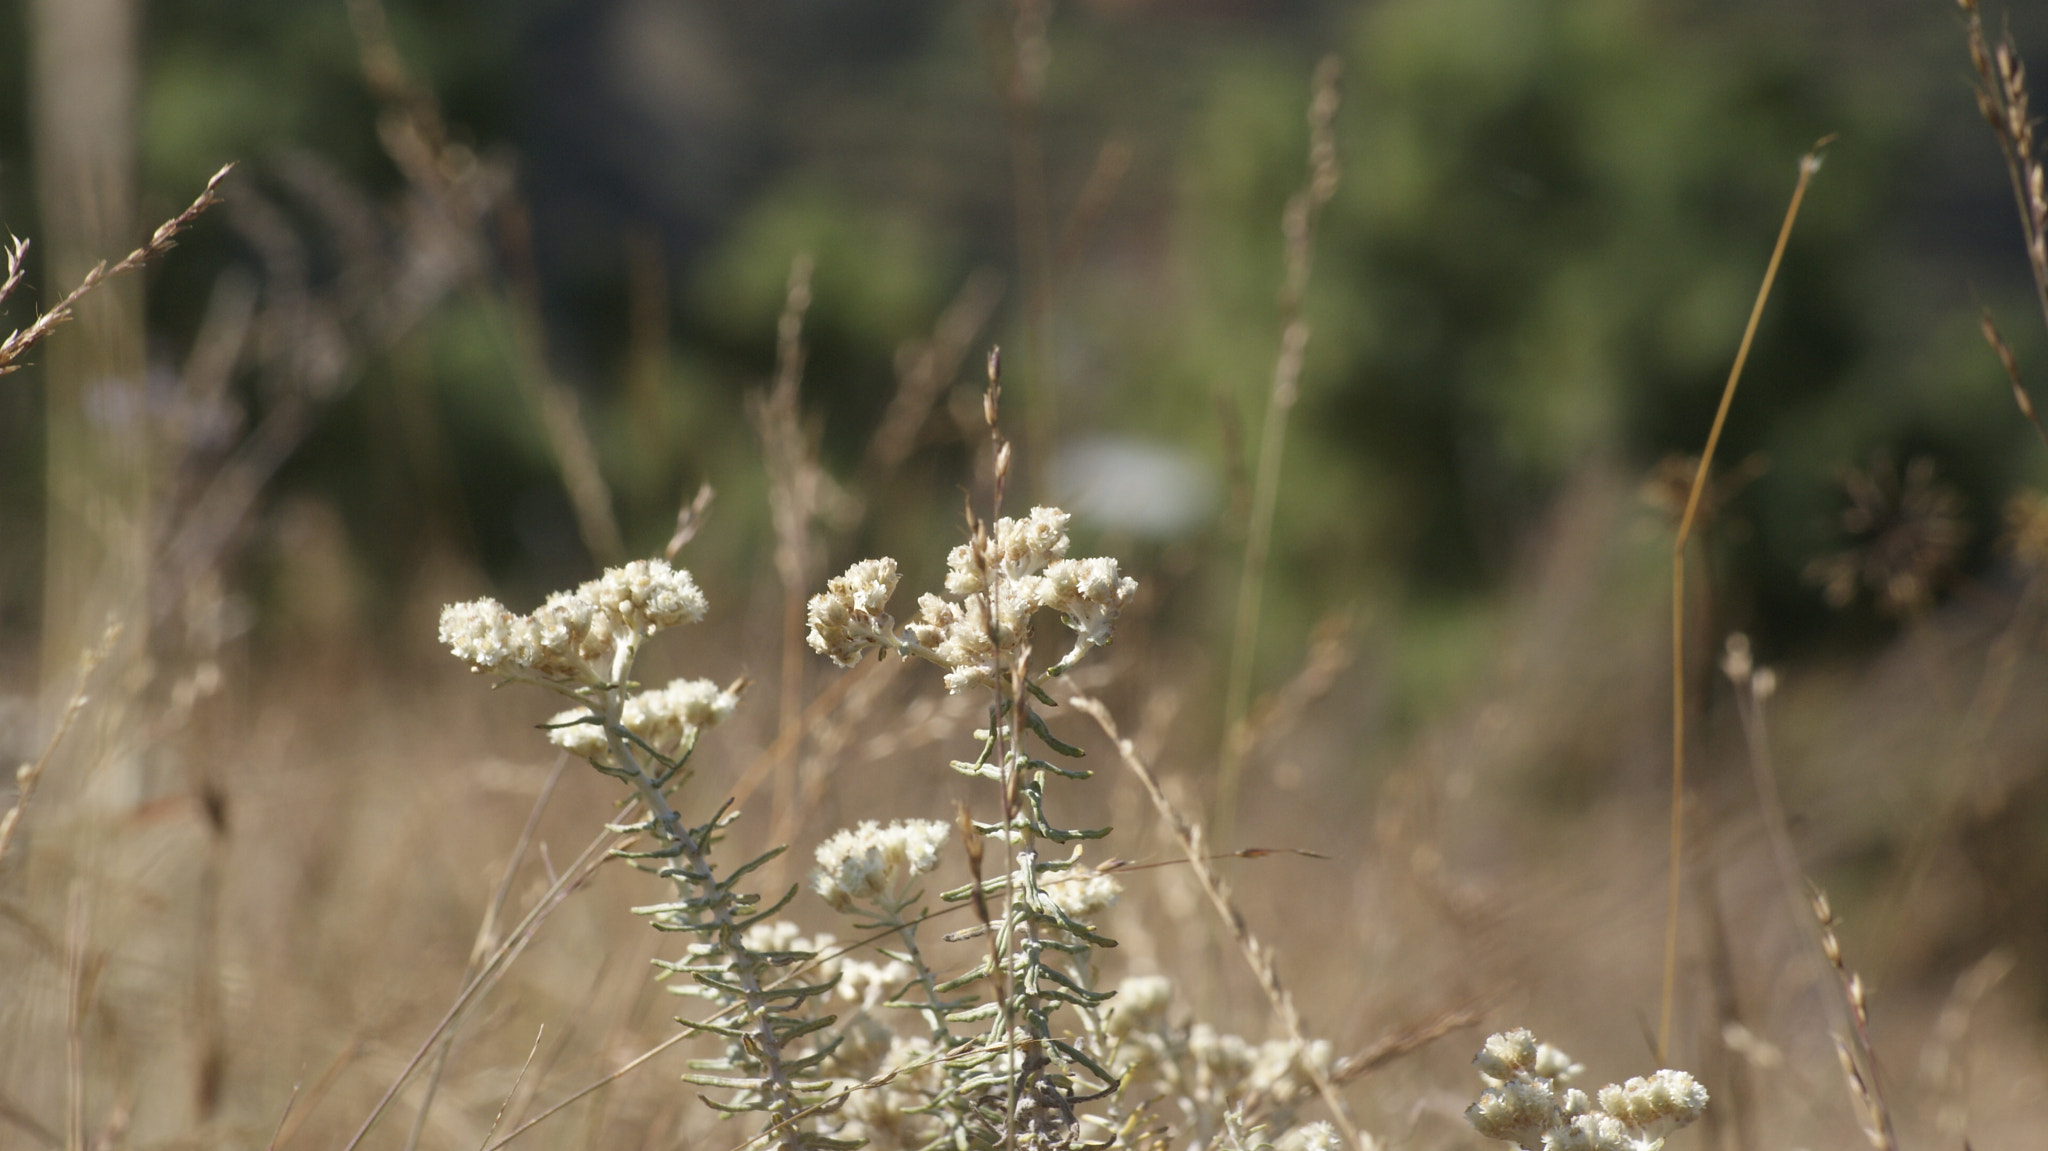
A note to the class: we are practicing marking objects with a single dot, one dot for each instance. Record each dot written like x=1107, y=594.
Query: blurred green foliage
x=1552, y=218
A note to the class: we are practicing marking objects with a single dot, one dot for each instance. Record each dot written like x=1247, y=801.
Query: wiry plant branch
x=1256, y=955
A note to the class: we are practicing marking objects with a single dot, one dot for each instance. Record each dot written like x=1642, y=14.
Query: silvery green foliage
x=1023, y=1049
x=1529, y=1102
x=582, y=645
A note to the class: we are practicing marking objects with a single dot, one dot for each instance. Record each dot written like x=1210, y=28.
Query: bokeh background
x=496, y=287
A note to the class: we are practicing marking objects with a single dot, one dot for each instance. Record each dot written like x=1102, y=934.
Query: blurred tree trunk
x=83, y=88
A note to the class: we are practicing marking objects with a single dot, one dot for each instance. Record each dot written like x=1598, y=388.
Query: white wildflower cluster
x=1209, y=1076
x=875, y=865
x=1278, y=1070
x=847, y=618
x=781, y=937
x=1317, y=1136
x=899, y=1115
x=1528, y=1101
x=1018, y=570
x=871, y=984
x=663, y=717
x=586, y=637
x=1081, y=893
x=1140, y=1005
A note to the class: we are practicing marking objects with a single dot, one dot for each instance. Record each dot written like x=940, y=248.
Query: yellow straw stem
x=1808, y=165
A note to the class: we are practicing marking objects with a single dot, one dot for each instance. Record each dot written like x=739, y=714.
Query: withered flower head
x=1907, y=533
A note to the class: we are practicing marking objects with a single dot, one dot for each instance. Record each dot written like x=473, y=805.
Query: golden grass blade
x=1808, y=165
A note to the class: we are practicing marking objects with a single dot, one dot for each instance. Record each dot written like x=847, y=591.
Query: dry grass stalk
x=1298, y=225
x=1023, y=59
x=297, y=1109
x=1859, y=1062
x=1256, y=955
x=1944, y=1062
x=1332, y=648
x=160, y=241
x=798, y=491
x=12, y=1111
x=487, y=973
x=28, y=775
x=2003, y=351
x=446, y=175
x=410, y=127
x=1754, y=688
x=499, y=1119
x=78, y=980
x=1407, y=1038
x=1112, y=164
x=486, y=938
x=1963, y=761
x=925, y=369
x=2003, y=101
x=689, y=521
x=310, y=343
x=1808, y=165
x=560, y=416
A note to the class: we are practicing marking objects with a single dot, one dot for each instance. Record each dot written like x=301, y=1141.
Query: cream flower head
x=1018, y=568
x=584, y=638
x=663, y=718
x=872, y=864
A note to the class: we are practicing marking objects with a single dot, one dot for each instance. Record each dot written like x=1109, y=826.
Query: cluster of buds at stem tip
x=995, y=584
x=1528, y=1101
x=585, y=638
x=664, y=718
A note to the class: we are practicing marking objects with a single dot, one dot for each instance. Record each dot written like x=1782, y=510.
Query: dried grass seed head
x=1907, y=531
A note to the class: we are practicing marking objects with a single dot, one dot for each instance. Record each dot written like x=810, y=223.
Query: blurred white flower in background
x=1142, y=487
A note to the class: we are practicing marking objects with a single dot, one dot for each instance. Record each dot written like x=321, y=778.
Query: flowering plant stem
x=719, y=913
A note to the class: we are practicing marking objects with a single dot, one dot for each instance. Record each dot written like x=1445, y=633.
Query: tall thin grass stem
x=1298, y=225
x=571, y=878
x=30, y=774
x=480, y=948
x=1808, y=165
